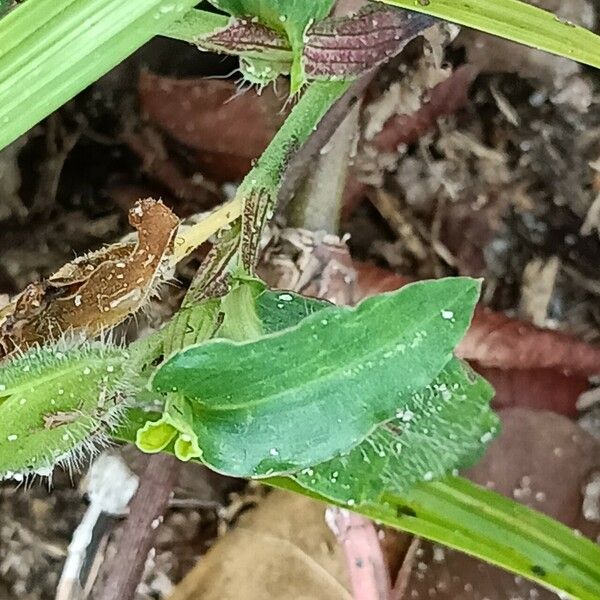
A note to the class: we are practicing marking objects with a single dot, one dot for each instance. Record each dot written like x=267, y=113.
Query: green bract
x=56, y=403
x=175, y=426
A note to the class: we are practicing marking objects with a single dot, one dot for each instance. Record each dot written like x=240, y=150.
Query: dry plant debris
x=96, y=292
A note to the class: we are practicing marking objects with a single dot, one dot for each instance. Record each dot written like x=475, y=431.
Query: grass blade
x=461, y=515
x=50, y=51
x=516, y=21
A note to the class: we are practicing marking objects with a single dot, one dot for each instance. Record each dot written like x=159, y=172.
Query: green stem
x=261, y=186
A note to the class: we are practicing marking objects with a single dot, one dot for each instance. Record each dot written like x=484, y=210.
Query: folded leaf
x=304, y=395
x=443, y=427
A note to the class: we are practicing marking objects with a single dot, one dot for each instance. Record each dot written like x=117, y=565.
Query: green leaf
x=241, y=322
x=306, y=394
x=517, y=21
x=445, y=426
x=52, y=49
x=461, y=515
x=191, y=325
x=280, y=310
x=291, y=17
x=442, y=427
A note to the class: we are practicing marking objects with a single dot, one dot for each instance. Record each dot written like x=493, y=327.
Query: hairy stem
x=257, y=195
x=191, y=238
x=260, y=189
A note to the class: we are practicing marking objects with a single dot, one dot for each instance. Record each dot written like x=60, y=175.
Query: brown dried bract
x=94, y=292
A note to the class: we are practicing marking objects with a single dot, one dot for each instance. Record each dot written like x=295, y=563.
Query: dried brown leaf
x=495, y=340
x=228, y=129
x=282, y=549
x=95, y=292
x=446, y=98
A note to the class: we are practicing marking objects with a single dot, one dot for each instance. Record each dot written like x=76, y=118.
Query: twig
x=190, y=239
x=122, y=572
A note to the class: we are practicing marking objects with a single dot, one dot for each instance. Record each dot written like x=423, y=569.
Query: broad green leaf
x=461, y=515
x=280, y=310
x=52, y=49
x=443, y=427
x=517, y=21
x=291, y=17
x=306, y=394
x=55, y=403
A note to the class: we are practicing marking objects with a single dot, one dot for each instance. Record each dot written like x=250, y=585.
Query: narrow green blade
x=50, y=50
x=516, y=21
x=461, y=515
